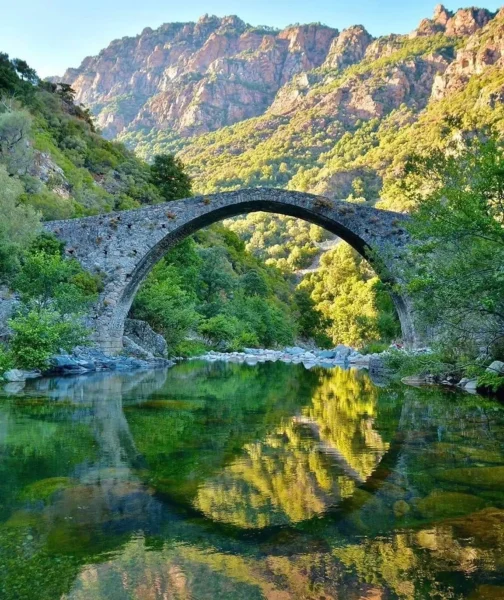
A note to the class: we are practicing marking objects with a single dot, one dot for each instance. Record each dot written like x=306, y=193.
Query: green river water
x=225, y=481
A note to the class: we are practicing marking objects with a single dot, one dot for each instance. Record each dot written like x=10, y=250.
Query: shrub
x=40, y=333
x=246, y=339
x=493, y=382
x=220, y=329
x=374, y=348
x=188, y=348
x=6, y=360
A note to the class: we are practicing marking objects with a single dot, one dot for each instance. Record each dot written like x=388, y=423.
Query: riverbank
x=338, y=356
x=86, y=360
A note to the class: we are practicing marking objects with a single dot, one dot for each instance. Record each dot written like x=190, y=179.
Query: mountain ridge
x=198, y=77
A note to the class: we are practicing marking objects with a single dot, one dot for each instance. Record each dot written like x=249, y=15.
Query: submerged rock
x=440, y=504
x=485, y=477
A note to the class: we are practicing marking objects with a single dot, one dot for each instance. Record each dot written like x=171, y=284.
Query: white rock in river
x=471, y=386
x=14, y=375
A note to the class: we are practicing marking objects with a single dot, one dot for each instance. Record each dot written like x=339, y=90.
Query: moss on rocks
x=485, y=477
x=440, y=504
x=46, y=488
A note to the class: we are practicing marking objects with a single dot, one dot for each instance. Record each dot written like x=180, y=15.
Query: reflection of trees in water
x=405, y=565
x=291, y=468
x=306, y=464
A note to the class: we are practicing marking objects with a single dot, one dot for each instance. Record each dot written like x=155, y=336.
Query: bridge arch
x=125, y=246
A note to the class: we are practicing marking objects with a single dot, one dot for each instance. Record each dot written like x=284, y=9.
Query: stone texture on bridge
x=124, y=246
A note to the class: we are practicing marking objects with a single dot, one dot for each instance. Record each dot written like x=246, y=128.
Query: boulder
x=496, y=367
x=144, y=336
x=133, y=349
x=65, y=364
x=471, y=385
x=327, y=354
x=295, y=350
x=343, y=351
x=14, y=375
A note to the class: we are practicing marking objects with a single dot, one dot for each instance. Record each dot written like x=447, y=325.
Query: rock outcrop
x=195, y=77
x=349, y=47
x=142, y=335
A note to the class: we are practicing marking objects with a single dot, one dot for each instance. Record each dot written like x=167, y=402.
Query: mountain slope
x=306, y=108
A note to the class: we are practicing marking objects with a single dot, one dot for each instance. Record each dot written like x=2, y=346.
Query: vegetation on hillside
x=53, y=164
x=320, y=147
x=211, y=286
x=456, y=275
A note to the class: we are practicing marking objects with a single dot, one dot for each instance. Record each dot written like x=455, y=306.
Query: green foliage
x=87, y=174
x=164, y=303
x=491, y=381
x=374, y=348
x=15, y=151
x=284, y=242
x=6, y=359
x=456, y=275
x=254, y=284
x=38, y=333
x=169, y=176
x=189, y=348
x=52, y=280
x=19, y=224
x=220, y=329
x=344, y=291
x=436, y=364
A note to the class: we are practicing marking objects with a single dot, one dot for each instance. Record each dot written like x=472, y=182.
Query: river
x=226, y=482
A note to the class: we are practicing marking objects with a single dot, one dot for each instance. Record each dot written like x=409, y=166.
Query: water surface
x=225, y=481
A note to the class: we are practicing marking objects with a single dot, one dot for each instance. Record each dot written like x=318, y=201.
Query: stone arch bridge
x=124, y=246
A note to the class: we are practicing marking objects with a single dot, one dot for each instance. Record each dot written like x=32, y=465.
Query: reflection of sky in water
x=228, y=481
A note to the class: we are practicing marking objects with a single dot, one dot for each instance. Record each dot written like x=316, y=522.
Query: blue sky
x=55, y=34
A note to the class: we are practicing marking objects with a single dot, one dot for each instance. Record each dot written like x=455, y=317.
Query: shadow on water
x=229, y=481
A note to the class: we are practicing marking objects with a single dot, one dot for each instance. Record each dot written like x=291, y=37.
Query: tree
x=19, y=224
x=457, y=275
x=167, y=307
x=15, y=150
x=24, y=70
x=253, y=284
x=217, y=277
x=39, y=333
x=47, y=279
x=168, y=174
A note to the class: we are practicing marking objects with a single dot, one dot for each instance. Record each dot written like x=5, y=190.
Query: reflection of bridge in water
x=120, y=472
x=131, y=526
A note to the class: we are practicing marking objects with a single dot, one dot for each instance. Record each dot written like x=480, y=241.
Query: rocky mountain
x=307, y=107
x=196, y=77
